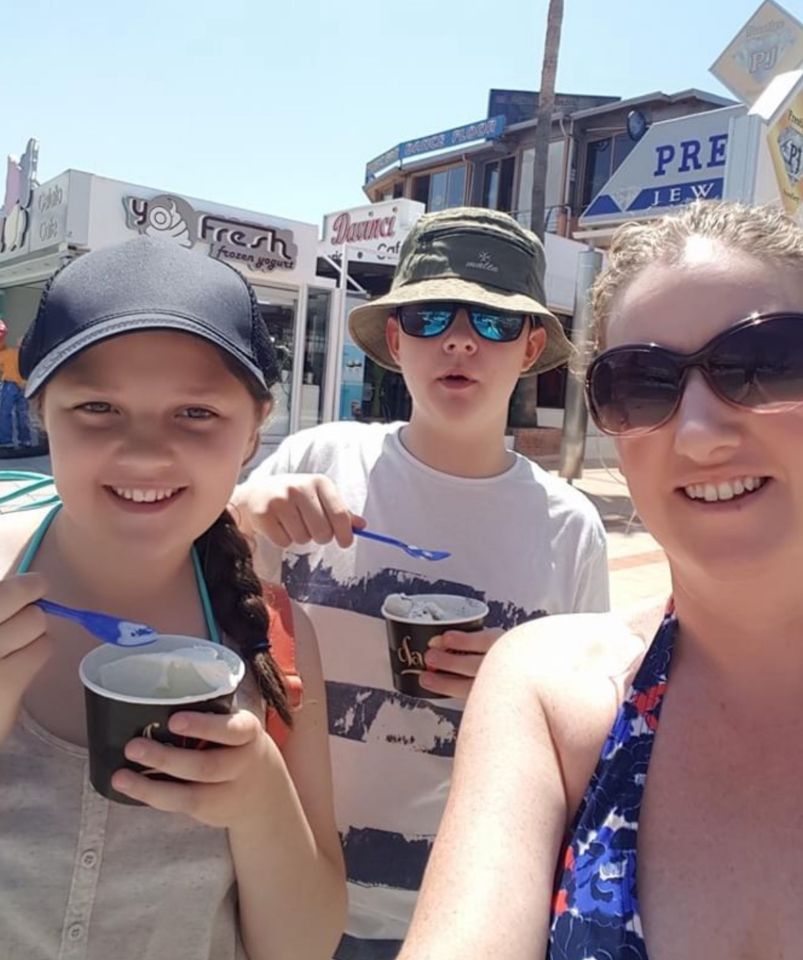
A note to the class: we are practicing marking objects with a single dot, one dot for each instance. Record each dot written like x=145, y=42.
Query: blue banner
x=667, y=195
x=491, y=128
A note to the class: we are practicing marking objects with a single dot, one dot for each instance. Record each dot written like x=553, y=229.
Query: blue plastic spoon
x=122, y=633
x=417, y=552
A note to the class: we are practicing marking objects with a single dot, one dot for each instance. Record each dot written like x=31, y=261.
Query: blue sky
x=276, y=105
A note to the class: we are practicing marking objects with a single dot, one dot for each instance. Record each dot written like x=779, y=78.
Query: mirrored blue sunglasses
x=432, y=318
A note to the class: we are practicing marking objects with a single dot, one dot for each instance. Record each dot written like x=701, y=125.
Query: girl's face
x=148, y=433
x=708, y=441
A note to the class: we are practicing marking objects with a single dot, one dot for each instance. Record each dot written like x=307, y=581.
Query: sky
x=277, y=105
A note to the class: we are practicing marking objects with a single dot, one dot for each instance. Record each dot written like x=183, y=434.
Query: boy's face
x=458, y=379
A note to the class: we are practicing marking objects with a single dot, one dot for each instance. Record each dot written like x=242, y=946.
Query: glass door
x=316, y=345
x=279, y=311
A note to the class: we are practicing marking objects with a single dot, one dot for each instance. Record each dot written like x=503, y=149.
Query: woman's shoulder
x=579, y=667
x=581, y=644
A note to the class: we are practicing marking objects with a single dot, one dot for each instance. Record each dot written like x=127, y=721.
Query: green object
x=44, y=526
x=471, y=255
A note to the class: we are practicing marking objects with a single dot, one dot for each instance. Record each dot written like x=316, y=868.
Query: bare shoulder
x=306, y=641
x=578, y=667
x=582, y=645
x=16, y=529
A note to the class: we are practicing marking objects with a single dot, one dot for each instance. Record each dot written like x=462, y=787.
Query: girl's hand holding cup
x=220, y=788
x=24, y=644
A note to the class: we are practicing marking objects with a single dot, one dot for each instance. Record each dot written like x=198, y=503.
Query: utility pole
x=546, y=107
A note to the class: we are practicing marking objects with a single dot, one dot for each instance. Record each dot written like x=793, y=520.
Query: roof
x=692, y=93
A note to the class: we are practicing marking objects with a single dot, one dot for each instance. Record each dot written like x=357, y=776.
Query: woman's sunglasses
x=756, y=363
x=433, y=318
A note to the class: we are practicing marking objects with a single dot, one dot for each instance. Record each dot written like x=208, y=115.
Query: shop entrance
x=279, y=310
x=304, y=389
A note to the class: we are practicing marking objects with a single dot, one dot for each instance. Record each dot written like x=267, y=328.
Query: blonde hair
x=765, y=233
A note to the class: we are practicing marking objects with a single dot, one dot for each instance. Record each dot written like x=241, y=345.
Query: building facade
x=490, y=163
x=44, y=226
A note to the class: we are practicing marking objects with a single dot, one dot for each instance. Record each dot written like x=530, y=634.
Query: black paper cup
x=113, y=717
x=408, y=637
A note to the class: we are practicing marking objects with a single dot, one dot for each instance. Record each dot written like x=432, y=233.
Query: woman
x=565, y=783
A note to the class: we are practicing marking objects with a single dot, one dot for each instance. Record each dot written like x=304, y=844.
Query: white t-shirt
x=524, y=542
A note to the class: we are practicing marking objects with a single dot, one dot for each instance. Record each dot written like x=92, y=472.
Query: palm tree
x=546, y=107
x=524, y=401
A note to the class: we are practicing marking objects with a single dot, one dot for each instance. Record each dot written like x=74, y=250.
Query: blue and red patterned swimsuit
x=595, y=910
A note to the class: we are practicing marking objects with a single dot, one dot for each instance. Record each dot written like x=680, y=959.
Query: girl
x=150, y=369
x=615, y=802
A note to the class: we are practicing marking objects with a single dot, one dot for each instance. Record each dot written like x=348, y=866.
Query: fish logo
x=163, y=216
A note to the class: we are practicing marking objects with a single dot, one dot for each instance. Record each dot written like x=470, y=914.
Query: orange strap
x=283, y=650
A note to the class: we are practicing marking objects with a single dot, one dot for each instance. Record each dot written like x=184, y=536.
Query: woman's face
x=148, y=433
x=682, y=306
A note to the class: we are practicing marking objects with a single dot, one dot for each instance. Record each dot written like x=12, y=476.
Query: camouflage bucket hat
x=472, y=255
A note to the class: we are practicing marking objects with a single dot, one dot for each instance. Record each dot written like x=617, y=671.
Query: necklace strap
x=39, y=535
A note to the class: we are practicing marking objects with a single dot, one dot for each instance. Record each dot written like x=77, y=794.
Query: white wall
x=107, y=226
x=561, y=272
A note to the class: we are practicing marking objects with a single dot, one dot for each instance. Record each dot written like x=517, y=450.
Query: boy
x=464, y=319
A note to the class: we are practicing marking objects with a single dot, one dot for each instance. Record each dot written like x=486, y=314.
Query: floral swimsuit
x=595, y=910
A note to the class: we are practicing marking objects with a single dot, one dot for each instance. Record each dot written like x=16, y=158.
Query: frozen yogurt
x=434, y=607
x=184, y=672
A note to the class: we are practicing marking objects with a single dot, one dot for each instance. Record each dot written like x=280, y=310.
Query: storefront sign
x=676, y=161
x=785, y=142
x=521, y=105
x=344, y=230
x=253, y=246
x=386, y=159
x=15, y=213
x=491, y=128
x=373, y=234
x=770, y=43
x=48, y=225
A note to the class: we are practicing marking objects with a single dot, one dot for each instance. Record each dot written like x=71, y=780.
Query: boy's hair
x=764, y=232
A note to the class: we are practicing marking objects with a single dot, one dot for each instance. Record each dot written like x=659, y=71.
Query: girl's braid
x=236, y=595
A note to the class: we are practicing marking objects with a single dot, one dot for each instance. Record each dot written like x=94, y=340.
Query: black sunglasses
x=433, y=318
x=756, y=363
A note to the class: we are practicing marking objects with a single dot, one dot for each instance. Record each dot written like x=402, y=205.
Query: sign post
x=575, y=417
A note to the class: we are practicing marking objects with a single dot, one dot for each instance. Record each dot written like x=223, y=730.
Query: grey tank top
x=82, y=878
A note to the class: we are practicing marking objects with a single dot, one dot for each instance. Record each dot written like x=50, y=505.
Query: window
x=315, y=349
x=279, y=314
x=421, y=189
x=553, y=196
x=446, y=188
x=497, y=184
x=603, y=159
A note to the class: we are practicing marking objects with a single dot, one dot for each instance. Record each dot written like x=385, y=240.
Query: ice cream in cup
x=134, y=692
x=413, y=620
